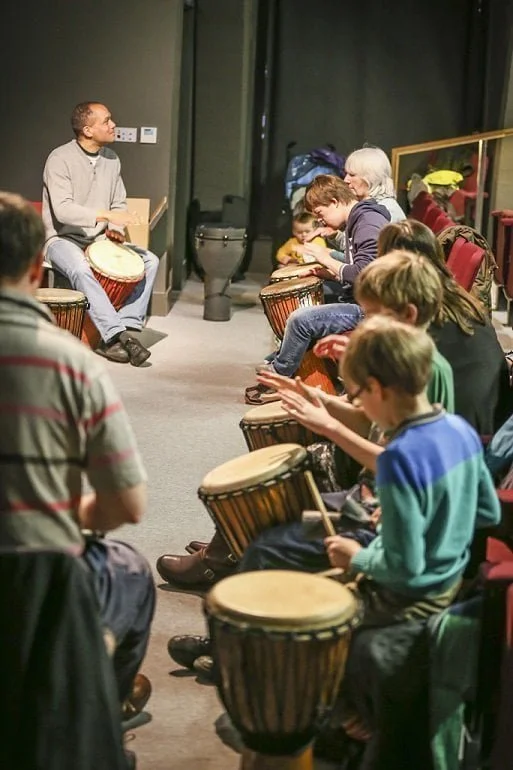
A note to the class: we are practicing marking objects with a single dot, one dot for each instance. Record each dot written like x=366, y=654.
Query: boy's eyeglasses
x=352, y=397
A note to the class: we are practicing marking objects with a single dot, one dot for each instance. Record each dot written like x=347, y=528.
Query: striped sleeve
x=113, y=460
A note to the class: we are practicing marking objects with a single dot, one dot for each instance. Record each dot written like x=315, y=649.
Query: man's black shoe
x=114, y=351
x=137, y=353
x=184, y=650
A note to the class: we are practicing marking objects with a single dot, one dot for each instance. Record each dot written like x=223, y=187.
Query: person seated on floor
x=44, y=462
x=84, y=200
x=303, y=227
x=405, y=286
x=432, y=484
x=331, y=200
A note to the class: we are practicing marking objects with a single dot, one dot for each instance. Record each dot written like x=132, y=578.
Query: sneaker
x=137, y=353
x=113, y=351
x=266, y=366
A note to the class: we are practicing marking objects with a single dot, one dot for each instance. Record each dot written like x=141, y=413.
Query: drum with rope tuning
x=280, y=641
x=67, y=306
x=255, y=491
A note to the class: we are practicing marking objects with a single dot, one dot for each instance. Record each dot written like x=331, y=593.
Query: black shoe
x=137, y=353
x=114, y=351
x=184, y=650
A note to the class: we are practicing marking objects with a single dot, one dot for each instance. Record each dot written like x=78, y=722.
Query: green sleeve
x=440, y=388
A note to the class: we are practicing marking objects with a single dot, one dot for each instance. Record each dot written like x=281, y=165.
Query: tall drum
x=270, y=424
x=280, y=299
x=280, y=642
x=67, y=306
x=255, y=491
x=220, y=250
x=119, y=269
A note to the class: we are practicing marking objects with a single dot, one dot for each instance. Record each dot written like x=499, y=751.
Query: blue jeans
x=126, y=596
x=309, y=324
x=69, y=259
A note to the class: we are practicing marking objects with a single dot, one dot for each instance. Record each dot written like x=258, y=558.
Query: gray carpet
x=185, y=408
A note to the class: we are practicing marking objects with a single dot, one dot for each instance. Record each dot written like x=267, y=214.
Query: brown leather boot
x=201, y=569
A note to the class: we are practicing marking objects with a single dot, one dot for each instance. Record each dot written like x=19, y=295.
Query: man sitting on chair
x=84, y=199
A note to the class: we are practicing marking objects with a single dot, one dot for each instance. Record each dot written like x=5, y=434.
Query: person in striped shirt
x=63, y=424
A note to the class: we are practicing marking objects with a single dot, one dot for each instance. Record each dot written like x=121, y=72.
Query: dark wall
x=348, y=73
x=55, y=53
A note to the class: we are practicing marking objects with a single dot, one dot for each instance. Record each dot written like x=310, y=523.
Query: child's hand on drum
x=332, y=346
x=320, y=232
x=281, y=384
x=319, y=253
x=305, y=405
x=341, y=550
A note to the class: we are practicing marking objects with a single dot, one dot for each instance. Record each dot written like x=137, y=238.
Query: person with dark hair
x=44, y=459
x=84, y=200
x=462, y=333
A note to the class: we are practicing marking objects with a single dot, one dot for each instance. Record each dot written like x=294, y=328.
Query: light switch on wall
x=126, y=134
x=148, y=135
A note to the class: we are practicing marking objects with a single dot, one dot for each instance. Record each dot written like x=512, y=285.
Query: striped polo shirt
x=61, y=421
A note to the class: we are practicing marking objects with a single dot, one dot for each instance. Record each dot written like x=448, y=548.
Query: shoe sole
x=103, y=354
x=140, y=359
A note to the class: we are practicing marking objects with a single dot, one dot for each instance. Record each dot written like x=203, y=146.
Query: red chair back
x=441, y=222
x=464, y=261
x=502, y=228
x=420, y=205
x=38, y=206
x=431, y=215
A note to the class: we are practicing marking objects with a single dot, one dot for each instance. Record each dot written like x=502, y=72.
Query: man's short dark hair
x=81, y=115
x=22, y=235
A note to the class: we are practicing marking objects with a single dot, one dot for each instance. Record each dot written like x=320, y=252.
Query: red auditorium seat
x=420, y=206
x=442, y=221
x=431, y=215
x=502, y=229
x=38, y=206
x=464, y=261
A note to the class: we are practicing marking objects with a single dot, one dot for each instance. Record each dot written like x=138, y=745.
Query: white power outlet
x=126, y=134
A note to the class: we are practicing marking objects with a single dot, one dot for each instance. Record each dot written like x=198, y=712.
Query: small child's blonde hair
x=304, y=218
x=397, y=355
x=399, y=279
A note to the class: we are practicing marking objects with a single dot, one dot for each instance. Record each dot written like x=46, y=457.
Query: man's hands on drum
x=115, y=235
x=341, y=550
x=119, y=217
x=332, y=346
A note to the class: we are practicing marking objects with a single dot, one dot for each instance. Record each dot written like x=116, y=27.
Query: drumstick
x=328, y=524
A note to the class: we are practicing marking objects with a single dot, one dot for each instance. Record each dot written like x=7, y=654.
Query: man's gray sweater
x=75, y=190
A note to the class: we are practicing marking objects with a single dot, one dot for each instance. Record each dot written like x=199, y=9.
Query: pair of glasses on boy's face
x=352, y=397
